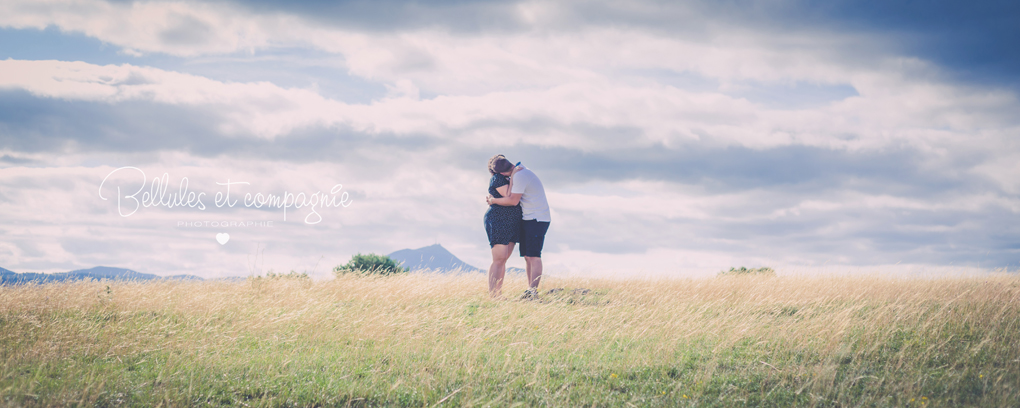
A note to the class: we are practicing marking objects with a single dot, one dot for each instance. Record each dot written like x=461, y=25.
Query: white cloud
x=586, y=88
x=445, y=62
x=566, y=75
x=924, y=116
x=185, y=29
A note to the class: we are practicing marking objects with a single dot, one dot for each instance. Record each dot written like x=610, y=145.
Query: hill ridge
x=431, y=258
x=9, y=277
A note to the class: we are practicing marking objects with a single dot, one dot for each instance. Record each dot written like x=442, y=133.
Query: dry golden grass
x=423, y=339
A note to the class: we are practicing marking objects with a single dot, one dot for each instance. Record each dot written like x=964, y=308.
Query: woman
x=502, y=223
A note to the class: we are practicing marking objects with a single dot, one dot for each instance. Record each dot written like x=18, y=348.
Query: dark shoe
x=530, y=294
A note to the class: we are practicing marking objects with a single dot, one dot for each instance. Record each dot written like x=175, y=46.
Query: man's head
x=499, y=164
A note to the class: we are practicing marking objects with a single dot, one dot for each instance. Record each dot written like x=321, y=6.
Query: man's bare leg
x=534, y=269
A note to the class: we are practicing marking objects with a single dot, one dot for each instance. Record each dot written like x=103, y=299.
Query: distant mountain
x=106, y=272
x=433, y=258
x=8, y=277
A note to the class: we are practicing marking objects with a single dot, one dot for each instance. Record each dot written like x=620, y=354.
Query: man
x=526, y=189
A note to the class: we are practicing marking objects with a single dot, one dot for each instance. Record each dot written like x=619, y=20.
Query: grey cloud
x=186, y=30
x=386, y=15
x=887, y=235
x=784, y=176
x=43, y=125
x=306, y=69
x=100, y=247
x=864, y=236
x=973, y=41
x=40, y=124
x=894, y=235
x=15, y=160
x=34, y=124
x=47, y=125
x=581, y=231
x=477, y=16
x=798, y=95
x=795, y=169
x=977, y=46
x=287, y=68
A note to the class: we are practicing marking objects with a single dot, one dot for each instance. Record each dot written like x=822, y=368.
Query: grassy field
x=425, y=340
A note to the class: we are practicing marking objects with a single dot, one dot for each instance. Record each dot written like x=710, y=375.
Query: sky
x=673, y=138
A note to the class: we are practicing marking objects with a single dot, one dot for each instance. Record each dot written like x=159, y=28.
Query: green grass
x=422, y=340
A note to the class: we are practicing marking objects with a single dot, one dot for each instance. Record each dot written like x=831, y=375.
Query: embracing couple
x=518, y=212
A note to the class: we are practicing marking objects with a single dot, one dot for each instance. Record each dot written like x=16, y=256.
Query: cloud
x=524, y=43
x=174, y=28
x=444, y=61
x=918, y=114
x=56, y=218
x=973, y=42
x=671, y=136
x=748, y=173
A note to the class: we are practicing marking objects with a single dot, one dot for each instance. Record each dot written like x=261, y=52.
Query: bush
x=273, y=275
x=370, y=264
x=764, y=271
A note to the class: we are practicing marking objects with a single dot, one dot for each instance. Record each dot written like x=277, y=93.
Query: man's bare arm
x=510, y=201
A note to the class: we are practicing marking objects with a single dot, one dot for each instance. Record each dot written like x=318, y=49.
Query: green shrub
x=370, y=264
x=742, y=271
x=291, y=275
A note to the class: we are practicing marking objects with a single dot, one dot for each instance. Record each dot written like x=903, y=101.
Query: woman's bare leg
x=497, y=271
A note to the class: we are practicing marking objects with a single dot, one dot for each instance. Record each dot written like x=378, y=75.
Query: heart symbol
x=222, y=238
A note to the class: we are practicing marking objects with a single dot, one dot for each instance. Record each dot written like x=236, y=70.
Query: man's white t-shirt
x=533, y=202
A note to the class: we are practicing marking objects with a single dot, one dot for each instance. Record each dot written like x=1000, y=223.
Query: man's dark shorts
x=533, y=237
